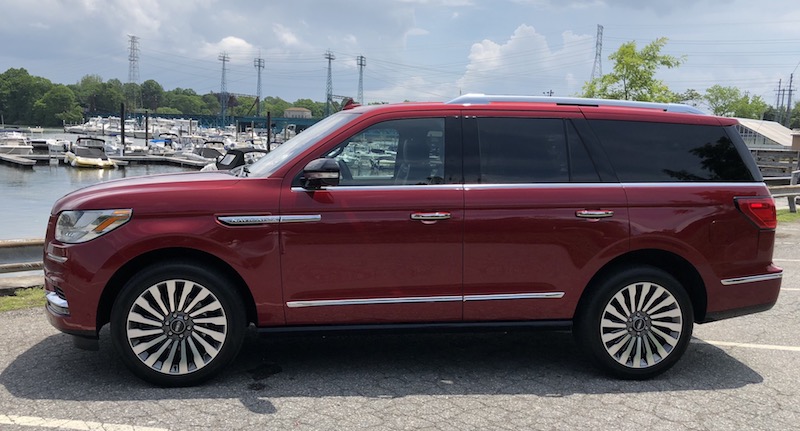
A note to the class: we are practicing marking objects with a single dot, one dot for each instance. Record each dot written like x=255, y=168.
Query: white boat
x=89, y=153
x=36, y=129
x=14, y=142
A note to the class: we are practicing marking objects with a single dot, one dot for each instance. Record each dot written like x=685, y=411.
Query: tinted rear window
x=659, y=152
x=532, y=150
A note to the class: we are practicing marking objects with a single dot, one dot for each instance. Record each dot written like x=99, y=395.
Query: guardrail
x=17, y=255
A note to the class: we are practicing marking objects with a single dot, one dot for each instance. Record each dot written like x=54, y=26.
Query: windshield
x=290, y=149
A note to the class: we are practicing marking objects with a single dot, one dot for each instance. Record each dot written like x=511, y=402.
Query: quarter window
x=659, y=152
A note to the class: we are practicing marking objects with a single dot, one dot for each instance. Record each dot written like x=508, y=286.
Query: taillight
x=759, y=210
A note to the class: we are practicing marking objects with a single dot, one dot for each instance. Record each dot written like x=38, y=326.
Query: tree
x=56, y=107
x=133, y=95
x=317, y=109
x=633, y=75
x=18, y=93
x=730, y=102
x=152, y=94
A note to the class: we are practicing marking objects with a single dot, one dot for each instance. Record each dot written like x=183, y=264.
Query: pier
x=30, y=160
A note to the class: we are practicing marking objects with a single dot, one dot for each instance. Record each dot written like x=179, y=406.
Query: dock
x=17, y=160
x=30, y=160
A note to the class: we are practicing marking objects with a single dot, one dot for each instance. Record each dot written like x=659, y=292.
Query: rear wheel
x=177, y=324
x=636, y=324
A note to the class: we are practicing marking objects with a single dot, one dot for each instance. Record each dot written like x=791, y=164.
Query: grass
x=784, y=216
x=23, y=298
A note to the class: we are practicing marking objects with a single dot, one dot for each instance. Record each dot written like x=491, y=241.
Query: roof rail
x=482, y=99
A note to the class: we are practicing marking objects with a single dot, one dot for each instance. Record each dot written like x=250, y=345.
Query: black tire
x=640, y=341
x=177, y=324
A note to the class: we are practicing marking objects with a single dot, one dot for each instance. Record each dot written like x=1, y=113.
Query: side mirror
x=321, y=173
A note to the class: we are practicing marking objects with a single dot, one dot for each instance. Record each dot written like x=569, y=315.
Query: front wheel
x=177, y=324
x=636, y=324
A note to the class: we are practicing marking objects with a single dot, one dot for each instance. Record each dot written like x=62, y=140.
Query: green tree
x=133, y=96
x=730, y=102
x=56, y=107
x=633, y=75
x=152, y=94
x=275, y=106
x=110, y=97
x=18, y=93
x=317, y=108
x=186, y=101
x=212, y=104
x=87, y=91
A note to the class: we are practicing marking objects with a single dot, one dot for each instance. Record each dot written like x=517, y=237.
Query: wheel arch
x=118, y=280
x=671, y=263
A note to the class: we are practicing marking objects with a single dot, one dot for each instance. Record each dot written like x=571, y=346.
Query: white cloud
x=526, y=64
x=285, y=36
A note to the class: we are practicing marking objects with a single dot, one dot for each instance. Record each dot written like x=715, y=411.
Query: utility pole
x=223, y=90
x=329, y=88
x=597, y=69
x=362, y=62
x=788, y=119
x=779, y=103
x=259, y=64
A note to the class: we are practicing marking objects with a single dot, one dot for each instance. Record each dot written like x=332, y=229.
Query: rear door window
x=532, y=150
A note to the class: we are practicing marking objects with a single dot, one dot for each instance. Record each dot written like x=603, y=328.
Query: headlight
x=74, y=227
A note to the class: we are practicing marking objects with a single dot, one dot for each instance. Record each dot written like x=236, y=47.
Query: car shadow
x=545, y=364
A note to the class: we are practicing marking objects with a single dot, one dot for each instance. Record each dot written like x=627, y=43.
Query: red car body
x=462, y=251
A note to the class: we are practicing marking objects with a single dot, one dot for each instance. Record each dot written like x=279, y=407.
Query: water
x=27, y=195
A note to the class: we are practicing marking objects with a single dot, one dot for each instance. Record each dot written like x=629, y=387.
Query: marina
x=46, y=165
x=31, y=183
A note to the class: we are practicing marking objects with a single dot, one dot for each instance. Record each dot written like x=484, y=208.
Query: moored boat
x=14, y=142
x=89, y=153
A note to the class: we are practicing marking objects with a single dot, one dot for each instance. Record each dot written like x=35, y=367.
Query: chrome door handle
x=433, y=216
x=594, y=213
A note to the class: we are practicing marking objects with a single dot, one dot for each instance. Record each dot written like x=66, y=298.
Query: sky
x=419, y=50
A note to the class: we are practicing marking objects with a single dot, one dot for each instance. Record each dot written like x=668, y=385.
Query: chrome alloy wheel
x=176, y=327
x=641, y=325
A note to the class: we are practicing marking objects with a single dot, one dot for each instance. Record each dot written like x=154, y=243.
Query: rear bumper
x=739, y=296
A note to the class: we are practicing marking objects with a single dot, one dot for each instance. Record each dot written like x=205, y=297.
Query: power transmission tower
x=133, y=70
x=223, y=91
x=362, y=63
x=597, y=69
x=133, y=59
x=329, y=89
x=259, y=64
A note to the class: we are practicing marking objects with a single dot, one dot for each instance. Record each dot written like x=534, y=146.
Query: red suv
x=626, y=222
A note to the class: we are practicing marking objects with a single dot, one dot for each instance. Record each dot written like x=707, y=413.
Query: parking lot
x=737, y=374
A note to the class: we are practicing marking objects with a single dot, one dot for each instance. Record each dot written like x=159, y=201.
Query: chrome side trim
x=503, y=297
x=751, y=279
x=452, y=187
x=422, y=299
x=54, y=258
x=311, y=218
x=372, y=301
x=247, y=220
